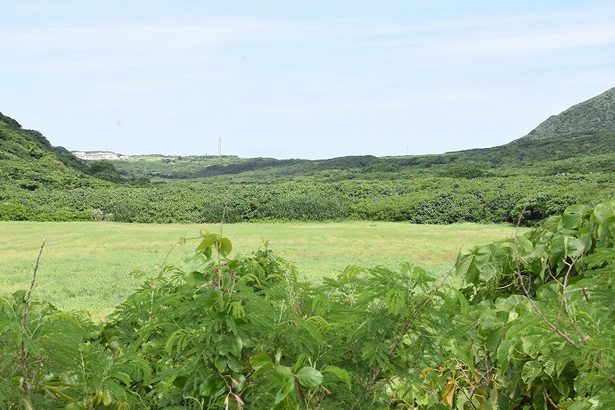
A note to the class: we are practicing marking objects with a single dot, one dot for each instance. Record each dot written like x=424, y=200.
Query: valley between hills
x=476, y=279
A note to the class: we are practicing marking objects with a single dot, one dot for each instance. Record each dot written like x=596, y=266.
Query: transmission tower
x=219, y=147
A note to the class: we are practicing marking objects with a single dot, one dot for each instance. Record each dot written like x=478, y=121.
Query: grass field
x=88, y=265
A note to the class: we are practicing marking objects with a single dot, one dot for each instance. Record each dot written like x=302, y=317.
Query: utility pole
x=220, y=146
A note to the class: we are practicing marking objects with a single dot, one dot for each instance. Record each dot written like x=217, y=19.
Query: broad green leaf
x=212, y=297
x=220, y=363
x=581, y=404
x=532, y=344
x=260, y=361
x=207, y=242
x=233, y=364
x=195, y=277
x=287, y=385
x=225, y=246
x=463, y=263
x=503, y=352
x=179, y=381
x=309, y=377
x=606, y=229
x=603, y=211
x=524, y=245
x=282, y=373
x=286, y=382
x=238, y=382
x=574, y=247
x=212, y=386
x=573, y=216
x=236, y=345
x=340, y=373
x=464, y=306
x=230, y=344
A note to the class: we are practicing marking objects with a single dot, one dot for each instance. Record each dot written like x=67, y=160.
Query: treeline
x=432, y=200
x=524, y=323
x=580, y=153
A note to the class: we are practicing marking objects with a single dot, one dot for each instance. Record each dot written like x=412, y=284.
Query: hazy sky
x=298, y=79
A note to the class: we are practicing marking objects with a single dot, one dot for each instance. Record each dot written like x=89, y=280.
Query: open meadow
x=90, y=266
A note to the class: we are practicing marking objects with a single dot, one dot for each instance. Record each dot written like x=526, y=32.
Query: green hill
x=30, y=165
x=594, y=115
x=29, y=162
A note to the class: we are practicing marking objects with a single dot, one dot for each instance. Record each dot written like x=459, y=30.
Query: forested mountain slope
x=28, y=162
x=594, y=115
x=532, y=152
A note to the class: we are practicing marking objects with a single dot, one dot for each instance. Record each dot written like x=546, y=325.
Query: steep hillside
x=530, y=151
x=594, y=115
x=29, y=162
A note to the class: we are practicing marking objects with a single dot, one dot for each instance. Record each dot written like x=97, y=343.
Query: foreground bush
x=531, y=326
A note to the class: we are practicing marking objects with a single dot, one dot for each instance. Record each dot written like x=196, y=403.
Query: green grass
x=87, y=265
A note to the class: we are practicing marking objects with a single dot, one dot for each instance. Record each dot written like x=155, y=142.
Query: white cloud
x=548, y=40
x=173, y=35
x=418, y=100
x=112, y=45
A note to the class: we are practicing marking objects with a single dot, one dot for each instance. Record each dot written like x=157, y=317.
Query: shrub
x=97, y=215
x=11, y=211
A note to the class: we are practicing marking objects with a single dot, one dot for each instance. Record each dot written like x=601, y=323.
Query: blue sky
x=291, y=79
